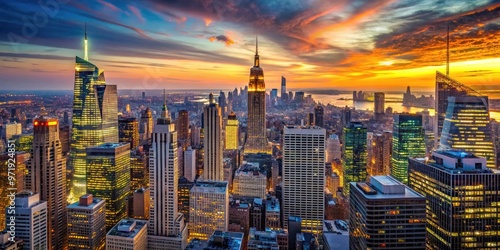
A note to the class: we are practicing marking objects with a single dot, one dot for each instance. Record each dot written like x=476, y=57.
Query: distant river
x=395, y=101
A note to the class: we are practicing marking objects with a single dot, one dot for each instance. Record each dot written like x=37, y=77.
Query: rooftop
x=127, y=228
x=384, y=187
x=222, y=240
x=210, y=186
x=336, y=234
x=273, y=205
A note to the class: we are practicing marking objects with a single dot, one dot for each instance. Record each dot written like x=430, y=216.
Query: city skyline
x=157, y=44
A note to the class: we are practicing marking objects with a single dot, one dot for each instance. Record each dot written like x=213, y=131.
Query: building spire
x=86, y=51
x=256, y=62
x=448, y=51
x=164, y=112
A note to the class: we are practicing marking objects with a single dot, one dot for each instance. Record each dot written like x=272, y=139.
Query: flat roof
x=204, y=186
x=95, y=202
x=336, y=234
x=370, y=195
x=139, y=224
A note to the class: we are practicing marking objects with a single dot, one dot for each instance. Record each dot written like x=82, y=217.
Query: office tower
x=108, y=178
x=222, y=103
x=139, y=176
x=87, y=224
x=66, y=118
x=232, y=132
x=272, y=217
x=385, y=214
x=208, y=208
x=354, y=154
x=11, y=129
x=212, y=142
x=190, y=164
x=379, y=109
x=407, y=141
x=47, y=177
x=495, y=129
x=299, y=97
x=467, y=127
x=182, y=127
x=446, y=87
x=462, y=200
x=310, y=119
x=257, y=212
x=318, y=116
x=345, y=118
x=30, y=220
x=257, y=138
x=304, y=175
x=381, y=150
x=250, y=181
x=222, y=240
x=95, y=119
x=141, y=207
x=273, y=95
x=128, y=131
x=166, y=228
x=283, y=87
x=333, y=148
x=290, y=95
x=128, y=234
x=65, y=138
x=195, y=135
x=146, y=125
x=183, y=196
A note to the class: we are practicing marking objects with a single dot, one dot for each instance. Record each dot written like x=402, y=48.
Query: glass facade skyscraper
x=446, y=87
x=95, y=120
x=407, y=141
x=354, y=154
x=108, y=177
x=467, y=127
x=462, y=200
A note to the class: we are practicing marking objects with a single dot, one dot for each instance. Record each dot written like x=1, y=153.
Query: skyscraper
x=467, y=127
x=283, y=87
x=166, y=228
x=213, y=168
x=208, y=208
x=128, y=131
x=318, y=116
x=190, y=164
x=182, y=127
x=304, y=175
x=446, y=87
x=87, y=224
x=333, y=148
x=354, y=154
x=407, y=141
x=30, y=220
x=128, y=234
x=257, y=138
x=380, y=161
x=462, y=200
x=108, y=178
x=47, y=177
x=385, y=214
x=345, y=118
x=232, y=129
x=95, y=115
x=379, y=109
x=222, y=103
x=146, y=125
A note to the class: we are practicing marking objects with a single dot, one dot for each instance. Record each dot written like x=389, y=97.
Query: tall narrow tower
x=166, y=226
x=47, y=176
x=213, y=168
x=95, y=119
x=257, y=139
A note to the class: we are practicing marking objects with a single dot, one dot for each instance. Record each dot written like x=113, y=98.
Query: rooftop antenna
x=86, y=51
x=448, y=51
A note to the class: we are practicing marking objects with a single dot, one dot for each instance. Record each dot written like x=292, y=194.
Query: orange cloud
x=222, y=38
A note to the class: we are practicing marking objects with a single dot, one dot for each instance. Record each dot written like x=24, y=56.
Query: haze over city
x=153, y=44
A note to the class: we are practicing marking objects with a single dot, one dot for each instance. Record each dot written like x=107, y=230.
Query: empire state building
x=257, y=139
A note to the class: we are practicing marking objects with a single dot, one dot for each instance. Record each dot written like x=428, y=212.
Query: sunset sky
x=338, y=44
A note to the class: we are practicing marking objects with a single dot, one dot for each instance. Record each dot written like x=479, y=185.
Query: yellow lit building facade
x=108, y=178
x=232, y=135
x=463, y=205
